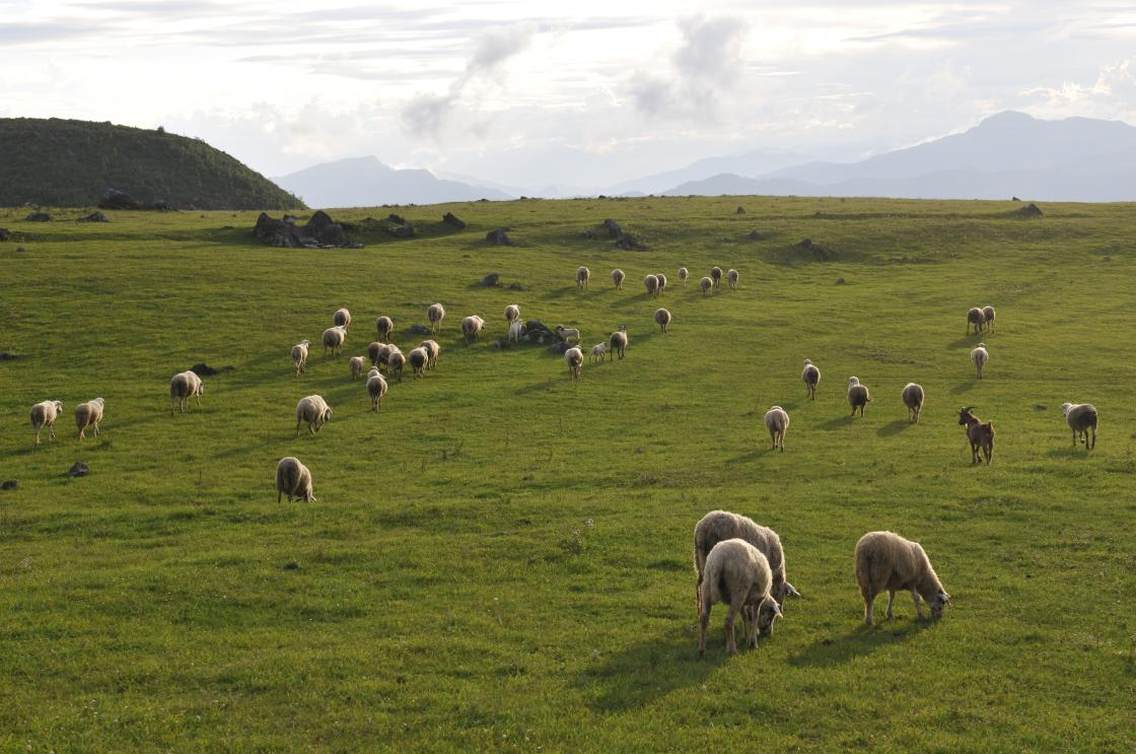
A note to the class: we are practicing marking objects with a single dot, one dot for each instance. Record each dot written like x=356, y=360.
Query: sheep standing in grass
x=887, y=561
x=651, y=283
x=974, y=319
x=294, y=480
x=88, y=415
x=717, y=526
x=618, y=343
x=333, y=339
x=662, y=282
x=663, y=320
x=418, y=358
x=979, y=356
x=395, y=362
x=705, y=284
x=435, y=314
x=777, y=422
x=44, y=414
x=471, y=327
x=567, y=334
x=300, y=356
x=737, y=574
x=376, y=388
x=512, y=314
x=183, y=386
x=583, y=274
x=599, y=350
x=683, y=275
x=617, y=278
x=342, y=318
x=357, y=364
x=716, y=275
x=433, y=350
x=913, y=398
x=732, y=279
x=314, y=411
x=980, y=434
x=574, y=358
x=810, y=375
x=384, y=325
x=1082, y=419
x=988, y=315
x=375, y=350
x=515, y=332
x=858, y=395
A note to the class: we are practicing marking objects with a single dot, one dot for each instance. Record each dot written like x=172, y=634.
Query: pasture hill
x=74, y=163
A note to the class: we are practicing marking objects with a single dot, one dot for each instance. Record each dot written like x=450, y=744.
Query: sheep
x=1081, y=418
x=342, y=318
x=618, y=343
x=333, y=339
x=514, y=333
x=974, y=319
x=418, y=358
x=651, y=283
x=738, y=575
x=599, y=350
x=574, y=358
x=979, y=433
x=662, y=282
x=384, y=325
x=979, y=356
x=988, y=314
x=705, y=284
x=433, y=350
x=777, y=422
x=663, y=319
x=395, y=362
x=583, y=274
x=913, y=398
x=717, y=526
x=512, y=314
x=376, y=350
x=88, y=415
x=716, y=275
x=858, y=395
x=887, y=561
x=810, y=375
x=183, y=386
x=471, y=327
x=732, y=279
x=376, y=388
x=683, y=274
x=313, y=410
x=567, y=333
x=357, y=364
x=294, y=480
x=617, y=278
x=435, y=314
x=300, y=355
x=44, y=414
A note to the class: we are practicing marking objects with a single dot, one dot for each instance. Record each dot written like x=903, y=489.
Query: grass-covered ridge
x=73, y=163
x=501, y=559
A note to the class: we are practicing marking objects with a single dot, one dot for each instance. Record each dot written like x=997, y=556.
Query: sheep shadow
x=895, y=428
x=753, y=455
x=561, y=292
x=837, y=423
x=1078, y=452
x=542, y=386
x=636, y=299
x=964, y=387
x=861, y=641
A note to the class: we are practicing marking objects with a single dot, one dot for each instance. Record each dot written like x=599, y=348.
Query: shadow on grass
x=859, y=642
x=890, y=430
x=964, y=387
x=970, y=341
x=561, y=292
x=753, y=455
x=1069, y=452
x=542, y=386
x=837, y=423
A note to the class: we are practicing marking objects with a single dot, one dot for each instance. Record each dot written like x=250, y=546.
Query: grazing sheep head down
x=785, y=589
x=762, y=616
x=942, y=599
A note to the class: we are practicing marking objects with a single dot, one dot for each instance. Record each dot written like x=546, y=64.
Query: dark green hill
x=75, y=163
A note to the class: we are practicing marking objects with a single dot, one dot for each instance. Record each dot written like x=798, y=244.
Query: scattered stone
x=201, y=369
x=1040, y=407
x=1014, y=199
x=840, y=281
x=115, y=199
x=629, y=242
x=4, y=234
x=8, y=356
x=396, y=219
x=614, y=229
x=558, y=348
x=740, y=211
x=515, y=287
x=491, y=280
x=453, y=221
x=320, y=232
x=291, y=565
x=94, y=217
x=1030, y=210
x=9, y=484
x=499, y=237
x=400, y=231
x=757, y=235
x=78, y=469
x=807, y=248
x=38, y=217
x=20, y=250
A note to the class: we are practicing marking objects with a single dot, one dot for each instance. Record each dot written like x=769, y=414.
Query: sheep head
x=941, y=600
x=965, y=415
x=767, y=612
x=785, y=589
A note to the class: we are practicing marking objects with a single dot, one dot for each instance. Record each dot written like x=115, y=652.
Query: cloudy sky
x=580, y=93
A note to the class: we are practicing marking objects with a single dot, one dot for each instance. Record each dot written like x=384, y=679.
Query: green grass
x=500, y=559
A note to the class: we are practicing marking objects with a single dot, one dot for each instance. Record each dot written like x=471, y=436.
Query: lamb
x=887, y=561
x=515, y=332
x=617, y=278
x=705, y=284
x=662, y=282
x=385, y=326
x=333, y=339
x=719, y=525
x=433, y=350
x=512, y=314
x=974, y=319
x=1081, y=418
x=88, y=415
x=979, y=356
x=913, y=398
x=435, y=314
x=342, y=318
x=777, y=422
x=183, y=386
x=567, y=333
x=574, y=358
x=663, y=319
x=683, y=274
x=979, y=433
x=357, y=364
x=738, y=575
x=599, y=350
x=583, y=274
x=376, y=388
x=618, y=343
x=300, y=355
x=988, y=314
x=732, y=279
x=716, y=275
x=858, y=396
x=418, y=358
x=651, y=283
x=313, y=410
x=44, y=414
x=395, y=362
x=811, y=377
x=294, y=480
x=471, y=327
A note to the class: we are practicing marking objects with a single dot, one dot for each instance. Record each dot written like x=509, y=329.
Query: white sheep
x=716, y=275
x=858, y=395
x=662, y=282
x=183, y=386
x=384, y=325
x=651, y=283
x=333, y=339
x=88, y=416
x=44, y=414
x=887, y=561
x=979, y=356
x=913, y=398
x=512, y=314
x=574, y=358
x=471, y=327
x=583, y=274
x=975, y=319
x=435, y=314
x=357, y=364
x=618, y=343
x=294, y=480
x=732, y=279
x=342, y=318
x=395, y=362
x=719, y=525
x=663, y=320
x=777, y=422
x=988, y=315
x=376, y=388
x=683, y=275
x=705, y=284
x=617, y=278
x=515, y=332
x=599, y=350
x=567, y=334
x=313, y=410
x=810, y=375
x=377, y=351
x=737, y=574
x=418, y=359
x=300, y=355
x=433, y=350
x=1082, y=419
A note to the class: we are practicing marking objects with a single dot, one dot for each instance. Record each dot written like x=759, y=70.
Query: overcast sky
x=571, y=93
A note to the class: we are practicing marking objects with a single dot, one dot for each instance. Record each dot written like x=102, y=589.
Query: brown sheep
x=979, y=433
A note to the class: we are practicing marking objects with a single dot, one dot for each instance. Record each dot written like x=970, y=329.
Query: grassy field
x=500, y=559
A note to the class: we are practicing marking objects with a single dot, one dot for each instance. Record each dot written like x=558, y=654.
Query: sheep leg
x=37, y=437
x=891, y=599
x=279, y=493
x=731, y=640
x=703, y=622
x=918, y=604
x=1094, y=439
x=96, y=429
x=869, y=598
x=298, y=423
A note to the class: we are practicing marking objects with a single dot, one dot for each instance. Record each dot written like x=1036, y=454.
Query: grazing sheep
x=294, y=480
x=979, y=356
x=567, y=333
x=471, y=327
x=717, y=526
x=979, y=433
x=183, y=386
x=435, y=314
x=583, y=274
x=599, y=350
x=988, y=314
x=314, y=411
x=88, y=415
x=858, y=396
x=44, y=414
x=395, y=362
x=515, y=332
x=737, y=574
x=913, y=398
x=777, y=422
x=705, y=284
x=663, y=319
x=732, y=279
x=887, y=561
x=385, y=326
x=433, y=350
x=974, y=319
x=376, y=388
x=1081, y=418
x=617, y=278
x=357, y=364
x=300, y=355
x=651, y=283
x=683, y=275
x=512, y=314
x=418, y=358
x=662, y=282
x=574, y=358
x=342, y=318
x=811, y=377
x=333, y=339
x=716, y=275
x=618, y=343
x=375, y=349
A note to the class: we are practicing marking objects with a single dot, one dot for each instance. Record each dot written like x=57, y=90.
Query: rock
x=515, y=287
x=201, y=369
x=1014, y=199
x=20, y=249
x=589, y=234
x=396, y=219
x=491, y=280
x=319, y=232
x=740, y=211
x=400, y=231
x=1030, y=210
x=840, y=281
x=115, y=199
x=94, y=217
x=38, y=217
x=806, y=243
x=614, y=229
x=78, y=469
x=558, y=348
x=757, y=235
x=161, y=205
x=9, y=484
x=4, y=234
x=630, y=243
x=499, y=237
x=8, y=356
x=453, y=221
